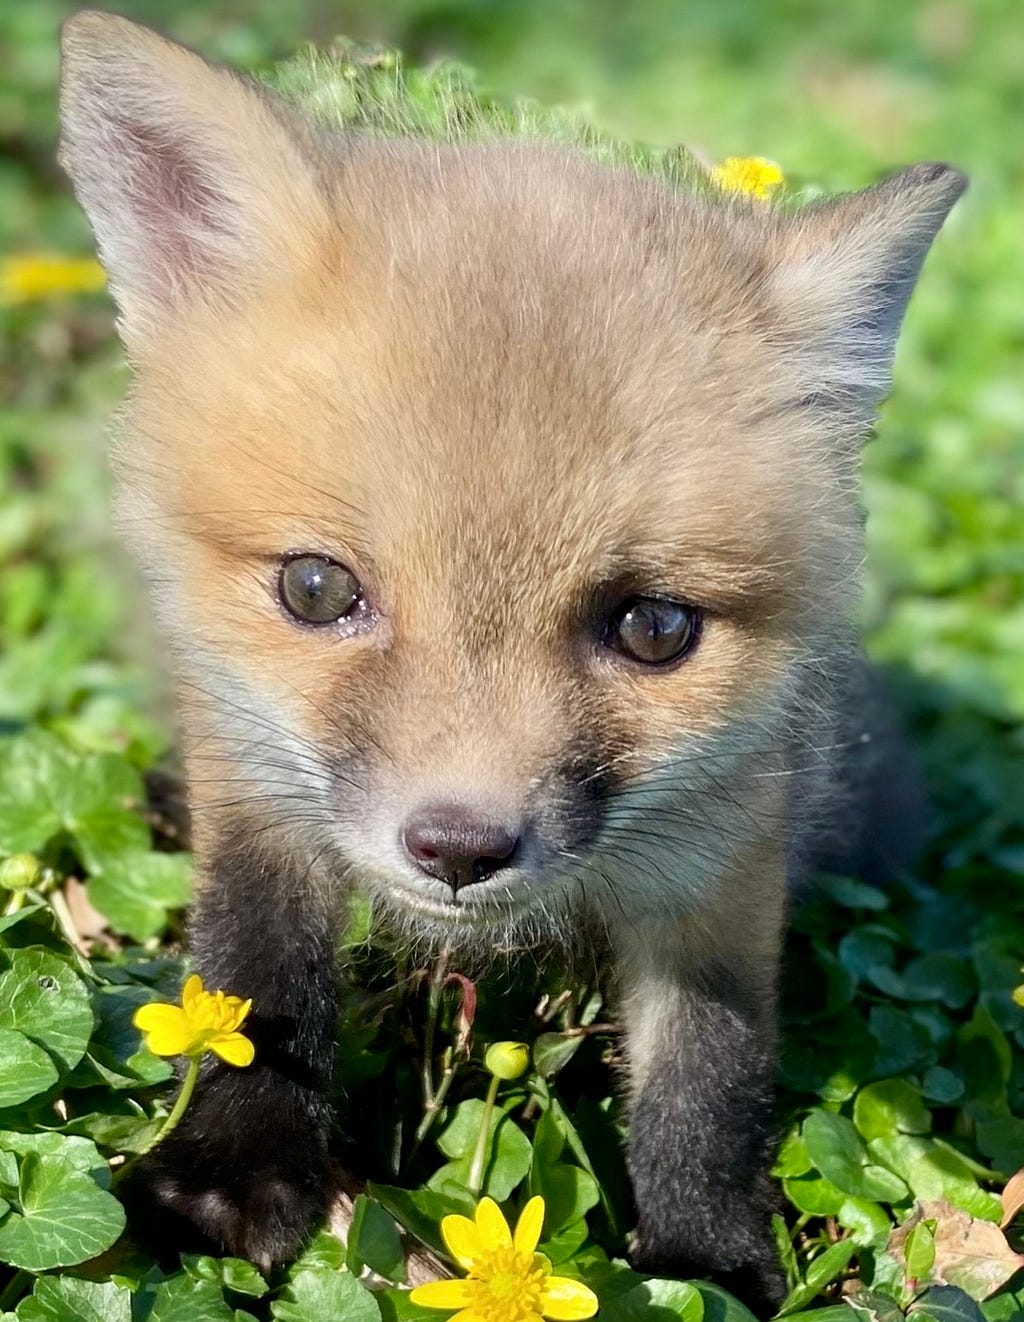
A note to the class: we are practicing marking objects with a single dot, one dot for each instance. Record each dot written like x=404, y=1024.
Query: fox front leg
x=701, y=1043
x=245, y=1173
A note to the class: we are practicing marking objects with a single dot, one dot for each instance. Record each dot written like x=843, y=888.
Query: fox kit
x=500, y=509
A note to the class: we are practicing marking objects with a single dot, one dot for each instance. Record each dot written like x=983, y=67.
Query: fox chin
x=499, y=508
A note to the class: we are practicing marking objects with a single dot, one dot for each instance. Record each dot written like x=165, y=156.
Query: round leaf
x=25, y=1069
x=42, y=997
x=63, y=1217
x=59, y=1298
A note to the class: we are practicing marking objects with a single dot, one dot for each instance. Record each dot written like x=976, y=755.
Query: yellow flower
x=508, y=1281
x=29, y=276
x=507, y=1060
x=753, y=175
x=204, y=1021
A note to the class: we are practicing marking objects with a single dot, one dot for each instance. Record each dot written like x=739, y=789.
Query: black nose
x=456, y=845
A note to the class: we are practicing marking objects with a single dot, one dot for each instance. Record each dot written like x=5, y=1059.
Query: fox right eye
x=318, y=590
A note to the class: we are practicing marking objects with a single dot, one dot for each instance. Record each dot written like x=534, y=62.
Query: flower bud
x=20, y=872
x=507, y=1060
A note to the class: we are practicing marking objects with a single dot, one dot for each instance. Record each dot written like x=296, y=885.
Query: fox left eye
x=654, y=630
x=318, y=590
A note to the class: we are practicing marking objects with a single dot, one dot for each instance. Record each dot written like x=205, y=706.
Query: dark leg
x=702, y=1050
x=246, y=1172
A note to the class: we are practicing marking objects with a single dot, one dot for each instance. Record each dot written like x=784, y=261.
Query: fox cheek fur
x=502, y=396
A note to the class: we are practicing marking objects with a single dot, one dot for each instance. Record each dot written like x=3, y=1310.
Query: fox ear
x=194, y=185
x=843, y=274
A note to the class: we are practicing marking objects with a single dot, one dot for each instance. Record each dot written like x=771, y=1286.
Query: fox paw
x=179, y=1200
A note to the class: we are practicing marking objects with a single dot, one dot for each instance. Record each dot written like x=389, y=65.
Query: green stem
x=476, y=1169
x=433, y=1108
x=433, y=1010
x=14, y=904
x=188, y=1086
x=16, y=1288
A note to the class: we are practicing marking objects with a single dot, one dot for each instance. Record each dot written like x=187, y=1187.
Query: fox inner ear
x=842, y=276
x=193, y=183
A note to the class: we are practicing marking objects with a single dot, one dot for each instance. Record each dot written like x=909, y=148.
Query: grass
x=902, y=1085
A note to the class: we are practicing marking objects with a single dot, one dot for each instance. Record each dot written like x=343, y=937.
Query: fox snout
x=454, y=844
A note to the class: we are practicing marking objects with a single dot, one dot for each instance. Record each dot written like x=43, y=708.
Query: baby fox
x=500, y=511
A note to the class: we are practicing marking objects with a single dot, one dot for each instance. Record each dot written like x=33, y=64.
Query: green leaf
x=553, y=1051
x=182, y=1298
x=942, y=1085
x=834, y=1146
x=421, y=1210
x=62, y=1298
x=80, y=1153
x=565, y=1244
x=853, y=894
x=792, y=1158
x=890, y=1106
x=25, y=1069
x=47, y=788
x=813, y=1194
x=115, y=1050
x=903, y=1044
x=935, y=1171
x=232, y=1273
x=137, y=887
x=568, y=1193
x=920, y=1251
x=42, y=997
x=868, y=1223
x=944, y=1303
x=325, y=1295
x=509, y=1155
x=874, y=1306
x=548, y=1139
x=655, y=1300
x=938, y=977
x=374, y=1241
x=63, y=1217
x=824, y=1269
x=720, y=1306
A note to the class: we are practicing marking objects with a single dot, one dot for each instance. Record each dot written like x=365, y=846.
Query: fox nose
x=455, y=845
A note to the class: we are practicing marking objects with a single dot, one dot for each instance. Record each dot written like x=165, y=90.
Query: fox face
x=489, y=555
x=498, y=506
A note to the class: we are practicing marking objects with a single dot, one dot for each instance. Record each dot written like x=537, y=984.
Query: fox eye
x=317, y=590
x=654, y=630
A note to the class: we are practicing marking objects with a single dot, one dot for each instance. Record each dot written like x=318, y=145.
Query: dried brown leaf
x=969, y=1253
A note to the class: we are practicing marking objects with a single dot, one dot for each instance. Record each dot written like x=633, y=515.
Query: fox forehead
x=507, y=366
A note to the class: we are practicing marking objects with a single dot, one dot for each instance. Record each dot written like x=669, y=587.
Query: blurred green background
x=837, y=93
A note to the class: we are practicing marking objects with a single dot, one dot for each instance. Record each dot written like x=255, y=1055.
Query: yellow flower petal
x=443, y=1294
x=565, y=1300
x=167, y=1029
x=493, y=1228
x=191, y=993
x=467, y=1315
x=462, y=1239
x=235, y=1048
x=529, y=1226
x=241, y=1009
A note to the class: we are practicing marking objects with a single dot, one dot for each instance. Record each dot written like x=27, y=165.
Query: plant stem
x=15, y=1288
x=188, y=1085
x=14, y=903
x=178, y=1110
x=430, y=1028
x=433, y=1108
x=476, y=1169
